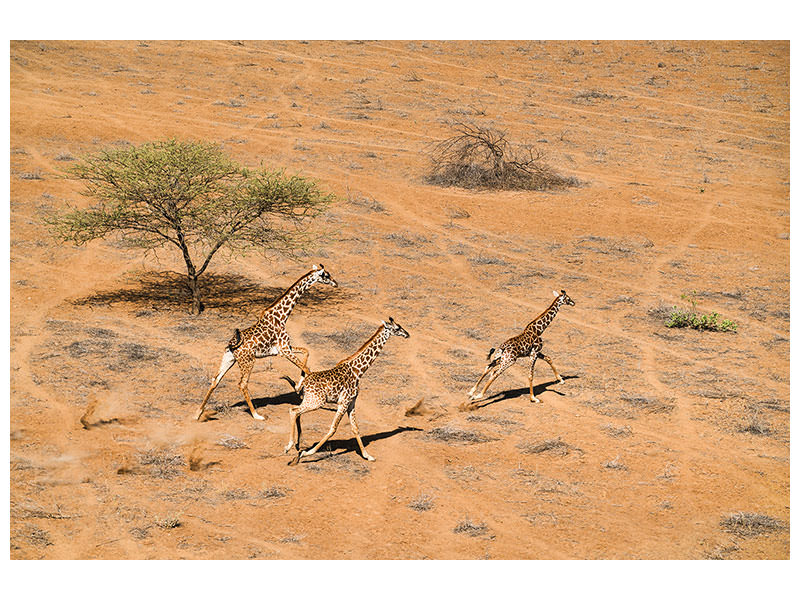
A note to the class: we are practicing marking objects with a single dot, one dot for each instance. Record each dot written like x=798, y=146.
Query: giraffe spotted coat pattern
x=528, y=343
x=267, y=337
x=338, y=385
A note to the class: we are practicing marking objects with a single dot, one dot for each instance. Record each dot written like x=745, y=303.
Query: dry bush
x=747, y=524
x=478, y=157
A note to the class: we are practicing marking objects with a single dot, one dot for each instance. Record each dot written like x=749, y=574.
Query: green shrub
x=691, y=318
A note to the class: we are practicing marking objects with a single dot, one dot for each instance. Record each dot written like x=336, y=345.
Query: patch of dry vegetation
x=479, y=157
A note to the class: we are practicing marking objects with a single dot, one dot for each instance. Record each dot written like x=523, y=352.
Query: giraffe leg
x=354, y=426
x=496, y=372
x=294, y=426
x=477, y=383
x=304, y=352
x=552, y=366
x=288, y=353
x=530, y=378
x=337, y=417
x=246, y=367
x=227, y=362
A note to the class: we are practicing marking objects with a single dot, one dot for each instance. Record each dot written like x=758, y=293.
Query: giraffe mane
x=364, y=345
x=291, y=287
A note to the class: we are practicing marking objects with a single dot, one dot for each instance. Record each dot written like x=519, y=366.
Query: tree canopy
x=193, y=196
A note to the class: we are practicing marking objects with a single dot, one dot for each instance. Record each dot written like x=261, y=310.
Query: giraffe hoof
x=258, y=417
x=368, y=457
x=560, y=380
x=535, y=399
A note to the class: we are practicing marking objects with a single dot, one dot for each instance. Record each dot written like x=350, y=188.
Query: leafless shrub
x=29, y=176
x=546, y=485
x=478, y=157
x=747, y=524
x=64, y=156
x=421, y=503
x=451, y=434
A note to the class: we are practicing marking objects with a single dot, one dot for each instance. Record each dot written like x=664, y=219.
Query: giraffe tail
x=236, y=340
x=297, y=386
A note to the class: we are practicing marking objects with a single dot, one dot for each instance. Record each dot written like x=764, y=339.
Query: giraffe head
x=563, y=298
x=323, y=276
x=394, y=329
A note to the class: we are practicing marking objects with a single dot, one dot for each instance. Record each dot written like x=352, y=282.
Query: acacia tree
x=192, y=196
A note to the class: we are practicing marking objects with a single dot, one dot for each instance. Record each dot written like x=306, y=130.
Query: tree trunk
x=197, y=305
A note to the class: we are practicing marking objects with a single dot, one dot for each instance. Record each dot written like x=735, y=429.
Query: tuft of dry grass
x=615, y=464
x=164, y=464
x=231, y=441
x=616, y=431
x=747, y=524
x=421, y=503
x=451, y=434
x=555, y=446
x=466, y=526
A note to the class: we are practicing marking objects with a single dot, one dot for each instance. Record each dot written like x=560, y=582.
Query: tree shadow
x=516, y=393
x=168, y=289
x=329, y=450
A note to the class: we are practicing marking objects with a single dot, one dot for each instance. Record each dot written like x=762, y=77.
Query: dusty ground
x=656, y=436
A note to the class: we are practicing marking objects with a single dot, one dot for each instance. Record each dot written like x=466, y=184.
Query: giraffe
x=339, y=385
x=528, y=343
x=267, y=337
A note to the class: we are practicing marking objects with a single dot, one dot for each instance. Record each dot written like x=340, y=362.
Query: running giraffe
x=267, y=337
x=339, y=385
x=528, y=343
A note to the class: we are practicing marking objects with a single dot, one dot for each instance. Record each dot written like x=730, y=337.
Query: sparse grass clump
x=615, y=464
x=615, y=431
x=421, y=503
x=555, y=446
x=478, y=157
x=691, y=318
x=747, y=524
x=471, y=529
x=232, y=442
x=451, y=434
x=164, y=464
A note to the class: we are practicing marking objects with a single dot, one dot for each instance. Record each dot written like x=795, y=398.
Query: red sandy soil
x=657, y=434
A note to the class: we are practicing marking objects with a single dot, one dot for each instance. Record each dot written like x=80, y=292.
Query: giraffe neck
x=366, y=355
x=540, y=323
x=282, y=307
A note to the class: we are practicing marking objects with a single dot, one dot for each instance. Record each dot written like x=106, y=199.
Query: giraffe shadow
x=345, y=446
x=517, y=393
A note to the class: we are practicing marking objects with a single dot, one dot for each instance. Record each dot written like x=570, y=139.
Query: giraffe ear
x=555, y=293
x=385, y=324
x=315, y=267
